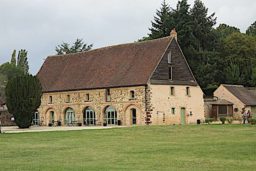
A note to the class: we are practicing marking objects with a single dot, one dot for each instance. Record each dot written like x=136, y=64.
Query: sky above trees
x=40, y=25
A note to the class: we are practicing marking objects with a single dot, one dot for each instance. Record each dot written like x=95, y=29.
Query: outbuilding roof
x=115, y=66
x=242, y=93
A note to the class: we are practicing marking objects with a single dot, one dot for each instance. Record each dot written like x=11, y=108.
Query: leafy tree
x=240, y=48
x=232, y=74
x=78, y=46
x=10, y=71
x=251, y=30
x=23, y=97
x=224, y=30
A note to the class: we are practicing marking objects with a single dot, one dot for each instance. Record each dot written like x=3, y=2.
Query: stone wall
x=120, y=100
x=162, y=103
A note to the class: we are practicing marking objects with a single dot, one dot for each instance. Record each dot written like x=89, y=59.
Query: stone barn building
x=129, y=84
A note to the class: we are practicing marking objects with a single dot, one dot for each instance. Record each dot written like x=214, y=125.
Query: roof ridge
x=111, y=46
x=233, y=85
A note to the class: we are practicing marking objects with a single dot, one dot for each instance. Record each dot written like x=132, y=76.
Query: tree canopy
x=216, y=55
x=78, y=46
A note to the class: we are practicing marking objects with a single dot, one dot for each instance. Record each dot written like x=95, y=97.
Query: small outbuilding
x=216, y=108
x=240, y=96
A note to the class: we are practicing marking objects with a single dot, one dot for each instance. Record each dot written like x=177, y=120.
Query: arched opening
x=89, y=116
x=69, y=116
x=36, y=118
x=133, y=116
x=51, y=117
x=111, y=116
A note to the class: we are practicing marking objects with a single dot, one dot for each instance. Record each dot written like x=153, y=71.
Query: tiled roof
x=115, y=66
x=243, y=94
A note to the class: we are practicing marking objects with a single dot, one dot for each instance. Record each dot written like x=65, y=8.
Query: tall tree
x=240, y=49
x=3, y=82
x=162, y=24
x=22, y=61
x=78, y=46
x=224, y=30
x=183, y=23
x=13, y=59
x=23, y=97
x=202, y=28
x=252, y=29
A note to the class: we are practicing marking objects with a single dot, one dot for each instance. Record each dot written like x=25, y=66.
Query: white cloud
x=40, y=25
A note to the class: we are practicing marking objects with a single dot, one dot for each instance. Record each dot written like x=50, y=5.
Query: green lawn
x=192, y=147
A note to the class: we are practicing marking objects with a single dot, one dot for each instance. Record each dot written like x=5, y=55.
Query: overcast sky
x=39, y=25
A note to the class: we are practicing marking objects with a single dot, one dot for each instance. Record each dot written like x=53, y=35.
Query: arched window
x=111, y=116
x=51, y=117
x=132, y=94
x=89, y=116
x=36, y=118
x=134, y=117
x=69, y=116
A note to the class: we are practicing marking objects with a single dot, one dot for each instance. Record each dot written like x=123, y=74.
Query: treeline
x=17, y=66
x=216, y=55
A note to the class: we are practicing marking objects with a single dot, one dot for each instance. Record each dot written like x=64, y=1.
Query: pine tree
x=162, y=24
x=13, y=59
x=202, y=29
x=23, y=97
x=183, y=24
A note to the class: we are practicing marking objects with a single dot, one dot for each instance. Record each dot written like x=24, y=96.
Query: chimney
x=173, y=34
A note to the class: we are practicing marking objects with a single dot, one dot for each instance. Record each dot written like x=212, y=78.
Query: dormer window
x=132, y=94
x=169, y=58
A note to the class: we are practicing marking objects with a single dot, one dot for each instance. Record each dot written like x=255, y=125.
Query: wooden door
x=183, y=116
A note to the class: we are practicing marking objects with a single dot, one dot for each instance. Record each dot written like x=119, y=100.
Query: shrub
x=23, y=97
x=223, y=120
x=252, y=121
x=209, y=120
x=229, y=120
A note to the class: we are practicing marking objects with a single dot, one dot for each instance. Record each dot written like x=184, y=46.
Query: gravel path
x=15, y=129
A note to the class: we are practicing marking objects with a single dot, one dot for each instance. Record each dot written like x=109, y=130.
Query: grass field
x=192, y=147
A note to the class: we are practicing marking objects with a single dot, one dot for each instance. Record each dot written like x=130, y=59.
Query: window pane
x=223, y=110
